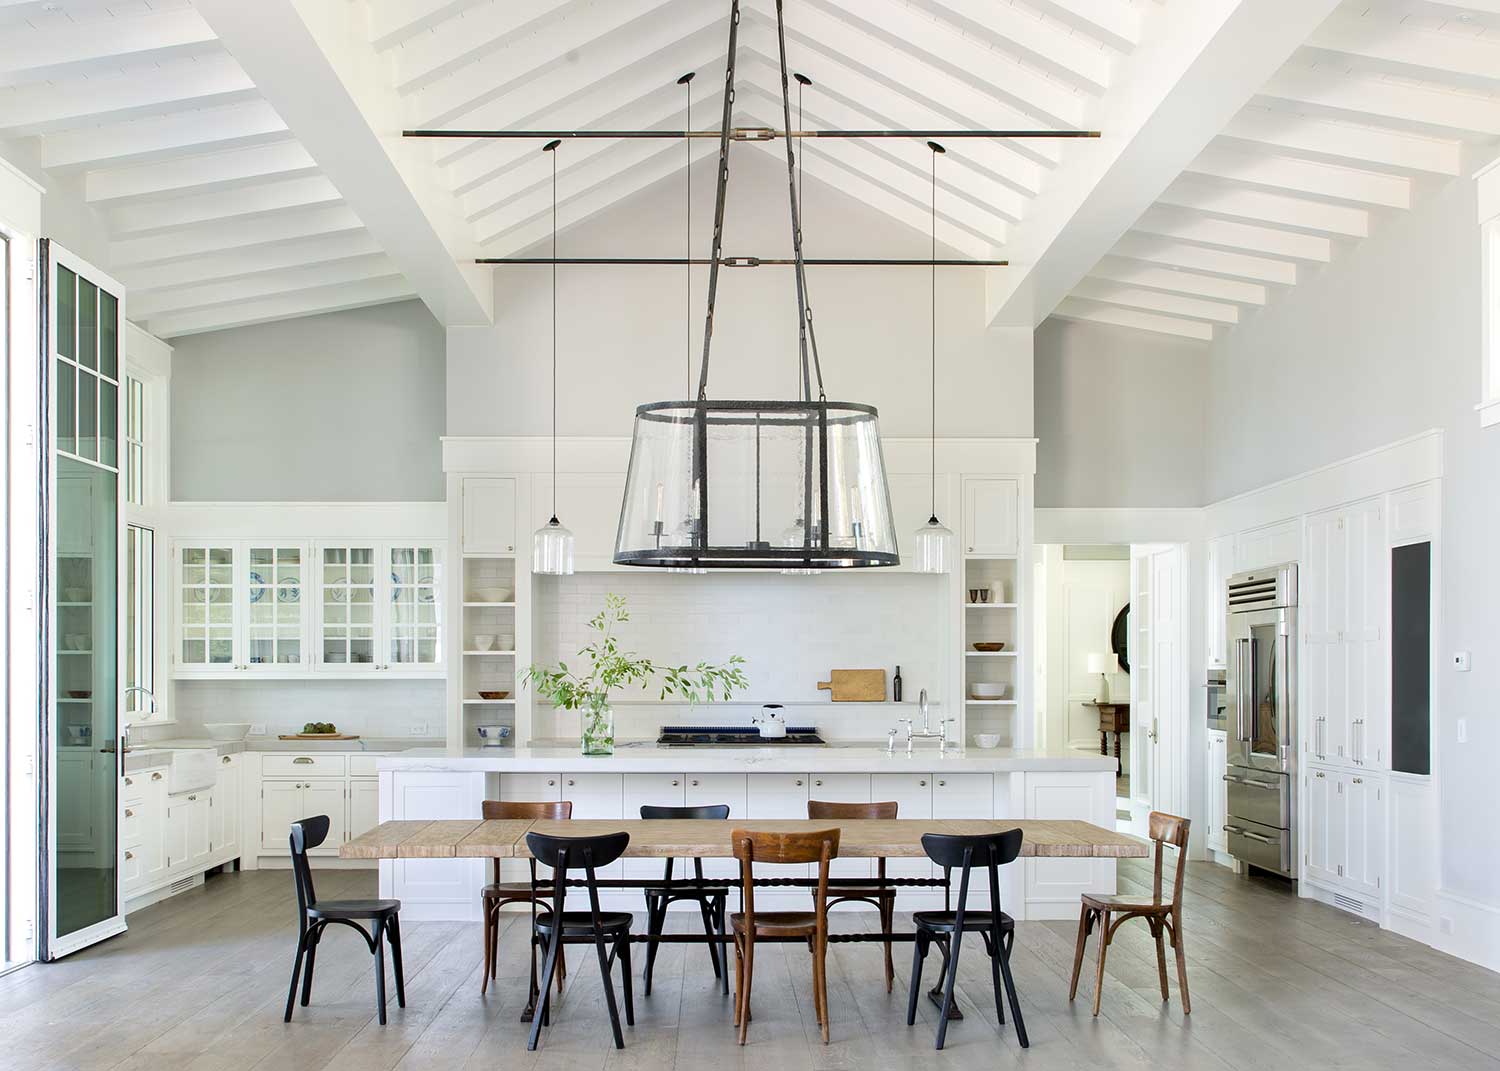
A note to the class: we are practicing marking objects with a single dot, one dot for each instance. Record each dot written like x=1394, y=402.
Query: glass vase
x=598, y=726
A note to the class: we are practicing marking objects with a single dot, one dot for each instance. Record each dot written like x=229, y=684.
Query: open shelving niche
x=996, y=621
x=487, y=604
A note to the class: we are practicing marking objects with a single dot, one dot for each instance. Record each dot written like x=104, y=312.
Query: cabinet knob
x=129, y=813
x=1359, y=780
x=302, y=760
x=941, y=784
x=571, y=782
x=550, y=782
x=192, y=799
x=921, y=784
x=156, y=776
x=675, y=783
x=694, y=782
x=129, y=855
x=799, y=782
x=971, y=550
x=819, y=782
x=224, y=759
x=128, y=781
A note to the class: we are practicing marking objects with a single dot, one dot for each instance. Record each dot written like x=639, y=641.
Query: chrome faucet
x=150, y=697
x=927, y=732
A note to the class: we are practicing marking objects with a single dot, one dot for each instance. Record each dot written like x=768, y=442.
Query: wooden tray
x=318, y=736
x=855, y=685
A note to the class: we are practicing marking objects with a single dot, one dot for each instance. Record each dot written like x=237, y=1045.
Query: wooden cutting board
x=855, y=685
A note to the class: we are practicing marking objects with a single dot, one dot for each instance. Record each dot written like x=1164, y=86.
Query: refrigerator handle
x=1284, y=713
x=1241, y=647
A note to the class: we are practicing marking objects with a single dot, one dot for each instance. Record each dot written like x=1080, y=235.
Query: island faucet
x=927, y=732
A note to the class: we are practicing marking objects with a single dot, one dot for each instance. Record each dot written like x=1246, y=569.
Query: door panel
x=650, y=790
x=704, y=789
x=913, y=796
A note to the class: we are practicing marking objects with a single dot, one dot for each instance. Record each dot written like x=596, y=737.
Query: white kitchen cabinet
x=1325, y=823
x=379, y=609
x=774, y=796
x=75, y=808
x=143, y=831
x=992, y=511
x=489, y=515
x=364, y=806
x=531, y=787
x=240, y=608
x=1268, y=545
x=1364, y=836
x=843, y=788
x=1219, y=567
x=912, y=794
x=650, y=790
x=207, y=610
x=187, y=832
x=709, y=789
x=596, y=795
x=1216, y=790
x=283, y=802
x=224, y=833
x=966, y=795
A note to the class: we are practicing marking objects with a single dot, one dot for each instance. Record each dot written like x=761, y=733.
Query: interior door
x=82, y=367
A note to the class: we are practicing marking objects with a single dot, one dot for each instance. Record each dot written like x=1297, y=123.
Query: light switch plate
x=257, y=730
x=1461, y=661
x=419, y=729
x=1462, y=729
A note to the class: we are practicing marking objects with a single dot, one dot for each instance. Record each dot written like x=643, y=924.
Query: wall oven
x=1260, y=699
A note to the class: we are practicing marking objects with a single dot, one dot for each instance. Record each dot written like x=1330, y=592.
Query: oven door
x=1260, y=689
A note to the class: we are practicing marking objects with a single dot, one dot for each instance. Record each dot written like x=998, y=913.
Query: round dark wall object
x=1119, y=637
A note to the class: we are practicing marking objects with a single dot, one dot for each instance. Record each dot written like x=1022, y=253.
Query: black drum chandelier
x=792, y=485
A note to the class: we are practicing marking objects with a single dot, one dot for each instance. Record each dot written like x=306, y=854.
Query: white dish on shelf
x=482, y=643
x=986, y=740
x=227, y=730
x=986, y=690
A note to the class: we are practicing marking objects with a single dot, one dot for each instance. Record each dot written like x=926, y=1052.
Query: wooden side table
x=1113, y=718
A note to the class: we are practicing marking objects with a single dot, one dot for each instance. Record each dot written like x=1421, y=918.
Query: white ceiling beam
x=1130, y=297
x=1226, y=234
x=246, y=263
x=472, y=36
x=448, y=100
x=394, y=21
x=1047, y=100
x=233, y=234
x=1196, y=66
x=140, y=141
x=1070, y=309
x=1346, y=143
x=1176, y=281
x=282, y=307
x=1384, y=41
x=87, y=46
x=1274, y=208
x=311, y=61
x=1287, y=173
x=1021, y=35
x=1115, y=23
x=1388, y=100
x=266, y=284
x=200, y=171
x=132, y=219
x=85, y=102
x=1170, y=254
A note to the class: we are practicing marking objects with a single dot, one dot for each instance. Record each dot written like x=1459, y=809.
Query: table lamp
x=1103, y=664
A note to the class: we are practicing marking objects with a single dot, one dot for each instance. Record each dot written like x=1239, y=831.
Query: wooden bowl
x=990, y=647
x=494, y=695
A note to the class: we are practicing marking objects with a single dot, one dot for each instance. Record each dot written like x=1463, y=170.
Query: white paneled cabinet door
x=280, y=806
x=1367, y=582
x=992, y=516
x=364, y=806
x=413, y=643
x=274, y=612
x=650, y=790
x=199, y=830
x=325, y=795
x=774, y=796
x=708, y=789
x=1322, y=609
x=489, y=515
x=177, y=834
x=225, y=828
x=966, y=795
x=1323, y=858
x=913, y=796
x=1364, y=861
x=347, y=608
x=205, y=610
x=843, y=788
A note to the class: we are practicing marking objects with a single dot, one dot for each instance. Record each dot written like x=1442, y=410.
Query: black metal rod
x=747, y=134
x=720, y=192
x=752, y=262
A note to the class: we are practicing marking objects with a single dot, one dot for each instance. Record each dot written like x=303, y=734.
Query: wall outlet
x=1445, y=925
x=1462, y=727
x=1461, y=661
x=419, y=729
x=258, y=730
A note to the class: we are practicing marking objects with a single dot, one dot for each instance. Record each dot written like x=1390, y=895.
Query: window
x=140, y=620
x=135, y=441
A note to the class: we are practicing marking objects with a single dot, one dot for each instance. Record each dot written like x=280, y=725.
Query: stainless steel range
x=735, y=736
x=1260, y=696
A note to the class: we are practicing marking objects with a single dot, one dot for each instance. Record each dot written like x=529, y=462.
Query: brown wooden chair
x=1163, y=916
x=497, y=894
x=882, y=898
x=750, y=847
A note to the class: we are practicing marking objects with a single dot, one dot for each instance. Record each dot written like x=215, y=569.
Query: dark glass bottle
x=896, y=686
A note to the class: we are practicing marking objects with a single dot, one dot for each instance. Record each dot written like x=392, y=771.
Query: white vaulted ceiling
x=1375, y=109
x=216, y=213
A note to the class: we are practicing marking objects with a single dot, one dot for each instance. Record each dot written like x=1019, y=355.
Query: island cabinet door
x=596, y=796
x=913, y=795
x=531, y=787
x=709, y=789
x=651, y=790
x=844, y=788
x=777, y=796
x=966, y=795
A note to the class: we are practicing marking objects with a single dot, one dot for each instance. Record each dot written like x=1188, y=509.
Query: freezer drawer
x=1260, y=796
x=1264, y=846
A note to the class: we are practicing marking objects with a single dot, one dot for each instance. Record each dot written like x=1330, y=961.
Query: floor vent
x=1348, y=904
x=182, y=885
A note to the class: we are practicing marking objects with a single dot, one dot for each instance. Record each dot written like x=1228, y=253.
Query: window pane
x=67, y=409
x=107, y=421
x=88, y=415
x=88, y=324
x=64, y=302
x=109, y=335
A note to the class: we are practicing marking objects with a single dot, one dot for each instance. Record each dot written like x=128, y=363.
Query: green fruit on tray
x=319, y=728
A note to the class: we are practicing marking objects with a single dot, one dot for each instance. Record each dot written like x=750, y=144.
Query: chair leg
x=992, y=948
x=745, y=990
x=291, y=996
x=380, y=971
x=948, y=984
x=487, y=964
x=1187, y=1004
x=739, y=978
x=820, y=984
x=919, y=956
x=393, y=935
x=1085, y=923
x=888, y=923
x=1161, y=957
x=609, y=990
x=624, y=957
x=313, y=936
x=655, y=922
x=1103, y=951
x=706, y=911
x=1015, y=1001
x=723, y=949
x=544, y=990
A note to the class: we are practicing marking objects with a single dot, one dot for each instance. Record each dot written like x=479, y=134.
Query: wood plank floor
x=199, y=981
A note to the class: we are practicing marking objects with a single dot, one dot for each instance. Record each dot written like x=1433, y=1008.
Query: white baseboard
x=1468, y=928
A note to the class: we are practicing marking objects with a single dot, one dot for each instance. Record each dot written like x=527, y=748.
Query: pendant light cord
x=687, y=231
x=720, y=193
x=807, y=346
x=551, y=147
x=936, y=151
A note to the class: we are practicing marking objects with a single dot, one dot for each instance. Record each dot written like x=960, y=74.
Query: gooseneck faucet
x=927, y=732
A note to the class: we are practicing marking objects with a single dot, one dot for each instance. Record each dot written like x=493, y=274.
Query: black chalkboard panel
x=1411, y=658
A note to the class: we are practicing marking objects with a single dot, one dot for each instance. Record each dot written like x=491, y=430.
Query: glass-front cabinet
x=280, y=608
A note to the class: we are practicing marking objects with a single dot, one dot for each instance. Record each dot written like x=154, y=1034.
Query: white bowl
x=227, y=730
x=483, y=643
x=985, y=690
x=986, y=740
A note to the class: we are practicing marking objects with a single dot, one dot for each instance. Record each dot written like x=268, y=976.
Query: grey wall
x=1383, y=344
x=346, y=406
x=1119, y=416
x=623, y=334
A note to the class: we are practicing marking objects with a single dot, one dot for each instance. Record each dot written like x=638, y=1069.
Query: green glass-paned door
x=65, y=408
x=84, y=668
x=65, y=301
x=108, y=422
x=88, y=324
x=109, y=335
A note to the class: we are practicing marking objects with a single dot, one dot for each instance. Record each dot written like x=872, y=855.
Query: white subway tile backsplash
x=377, y=708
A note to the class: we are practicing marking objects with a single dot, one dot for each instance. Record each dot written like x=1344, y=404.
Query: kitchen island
x=758, y=783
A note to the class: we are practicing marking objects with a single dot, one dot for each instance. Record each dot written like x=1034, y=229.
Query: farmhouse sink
x=192, y=770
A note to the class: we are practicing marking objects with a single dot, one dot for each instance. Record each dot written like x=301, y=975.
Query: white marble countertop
x=648, y=757
x=158, y=753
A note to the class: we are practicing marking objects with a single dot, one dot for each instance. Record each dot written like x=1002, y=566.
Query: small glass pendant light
x=934, y=542
x=552, y=544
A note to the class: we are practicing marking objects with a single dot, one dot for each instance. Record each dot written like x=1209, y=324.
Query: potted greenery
x=611, y=668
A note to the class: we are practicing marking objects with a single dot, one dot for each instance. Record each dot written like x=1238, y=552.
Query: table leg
x=1118, y=768
x=1103, y=742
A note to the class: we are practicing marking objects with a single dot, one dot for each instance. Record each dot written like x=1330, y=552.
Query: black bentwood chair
x=710, y=898
x=314, y=916
x=556, y=927
x=947, y=928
